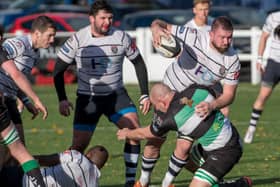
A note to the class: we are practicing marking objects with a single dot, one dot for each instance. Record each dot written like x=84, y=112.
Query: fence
x=157, y=64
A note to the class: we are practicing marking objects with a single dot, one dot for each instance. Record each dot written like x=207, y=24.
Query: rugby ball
x=169, y=47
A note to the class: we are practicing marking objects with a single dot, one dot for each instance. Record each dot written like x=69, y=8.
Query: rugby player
x=99, y=51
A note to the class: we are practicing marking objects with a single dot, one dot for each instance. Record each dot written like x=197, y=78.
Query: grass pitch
x=260, y=161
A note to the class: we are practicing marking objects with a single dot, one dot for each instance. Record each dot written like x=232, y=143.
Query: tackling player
x=218, y=148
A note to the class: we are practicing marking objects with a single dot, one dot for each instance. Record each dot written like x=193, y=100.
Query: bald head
x=98, y=155
x=160, y=96
x=159, y=90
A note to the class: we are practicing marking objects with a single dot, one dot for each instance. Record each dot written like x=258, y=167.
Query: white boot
x=249, y=134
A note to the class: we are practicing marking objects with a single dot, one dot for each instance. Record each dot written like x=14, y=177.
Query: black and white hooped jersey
x=99, y=60
x=20, y=50
x=75, y=170
x=212, y=133
x=199, y=63
x=272, y=21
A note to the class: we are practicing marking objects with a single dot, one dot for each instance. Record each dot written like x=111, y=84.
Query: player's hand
x=122, y=133
x=32, y=109
x=157, y=33
x=260, y=67
x=144, y=104
x=65, y=107
x=41, y=108
x=203, y=109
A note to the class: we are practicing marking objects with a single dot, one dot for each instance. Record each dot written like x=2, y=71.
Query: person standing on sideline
x=23, y=50
x=8, y=133
x=218, y=146
x=99, y=51
x=270, y=74
x=206, y=58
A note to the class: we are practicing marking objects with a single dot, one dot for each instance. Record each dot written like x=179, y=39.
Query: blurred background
x=248, y=16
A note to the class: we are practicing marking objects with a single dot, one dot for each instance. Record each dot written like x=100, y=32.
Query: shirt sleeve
x=131, y=49
x=232, y=76
x=14, y=47
x=268, y=26
x=161, y=124
x=68, y=50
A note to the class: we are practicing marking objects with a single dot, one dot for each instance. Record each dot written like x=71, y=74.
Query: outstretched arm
x=135, y=134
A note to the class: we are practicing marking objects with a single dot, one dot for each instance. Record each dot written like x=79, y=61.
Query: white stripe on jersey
x=99, y=59
x=199, y=63
x=222, y=139
x=74, y=170
x=21, y=51
x=272, y=21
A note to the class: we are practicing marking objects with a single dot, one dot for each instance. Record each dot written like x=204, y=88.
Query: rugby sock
x=131, y=154
x=175, y=166
x=255, y=116
x=32, y=169
x=148, y=165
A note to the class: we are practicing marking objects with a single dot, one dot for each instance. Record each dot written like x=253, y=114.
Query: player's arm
x=262, y=46
x=64, y=104
x=22, y=82
x=226, y=98
x=142, y=76
x=48, y=160
x=58, y=75
x=203, y=109
x=135, y=134
x=27, y=103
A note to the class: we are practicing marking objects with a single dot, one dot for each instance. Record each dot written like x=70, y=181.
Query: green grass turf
x=261, y=160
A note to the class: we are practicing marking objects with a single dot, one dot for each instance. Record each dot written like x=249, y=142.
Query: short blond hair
x=195, y=2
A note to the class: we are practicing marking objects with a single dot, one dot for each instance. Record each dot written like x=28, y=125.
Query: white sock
x=168, y=178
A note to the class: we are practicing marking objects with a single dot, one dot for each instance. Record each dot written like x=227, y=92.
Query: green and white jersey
x=21, y=51
x=199, y=63
x=212, y=133
x=272, y=21
x=75, y=170
x=99, y=59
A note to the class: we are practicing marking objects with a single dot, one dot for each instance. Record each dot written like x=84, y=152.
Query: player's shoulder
x=118, y=32
x=17, y=45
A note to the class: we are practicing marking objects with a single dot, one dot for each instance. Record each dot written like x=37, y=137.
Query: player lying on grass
x=67, y=169
x=218, y=146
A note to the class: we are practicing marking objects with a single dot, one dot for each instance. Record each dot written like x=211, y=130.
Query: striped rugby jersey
x=25, y=57
x=75, y=170
x=212, y=133
x=99, y=59
x=199, y=63
x=272, y=21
